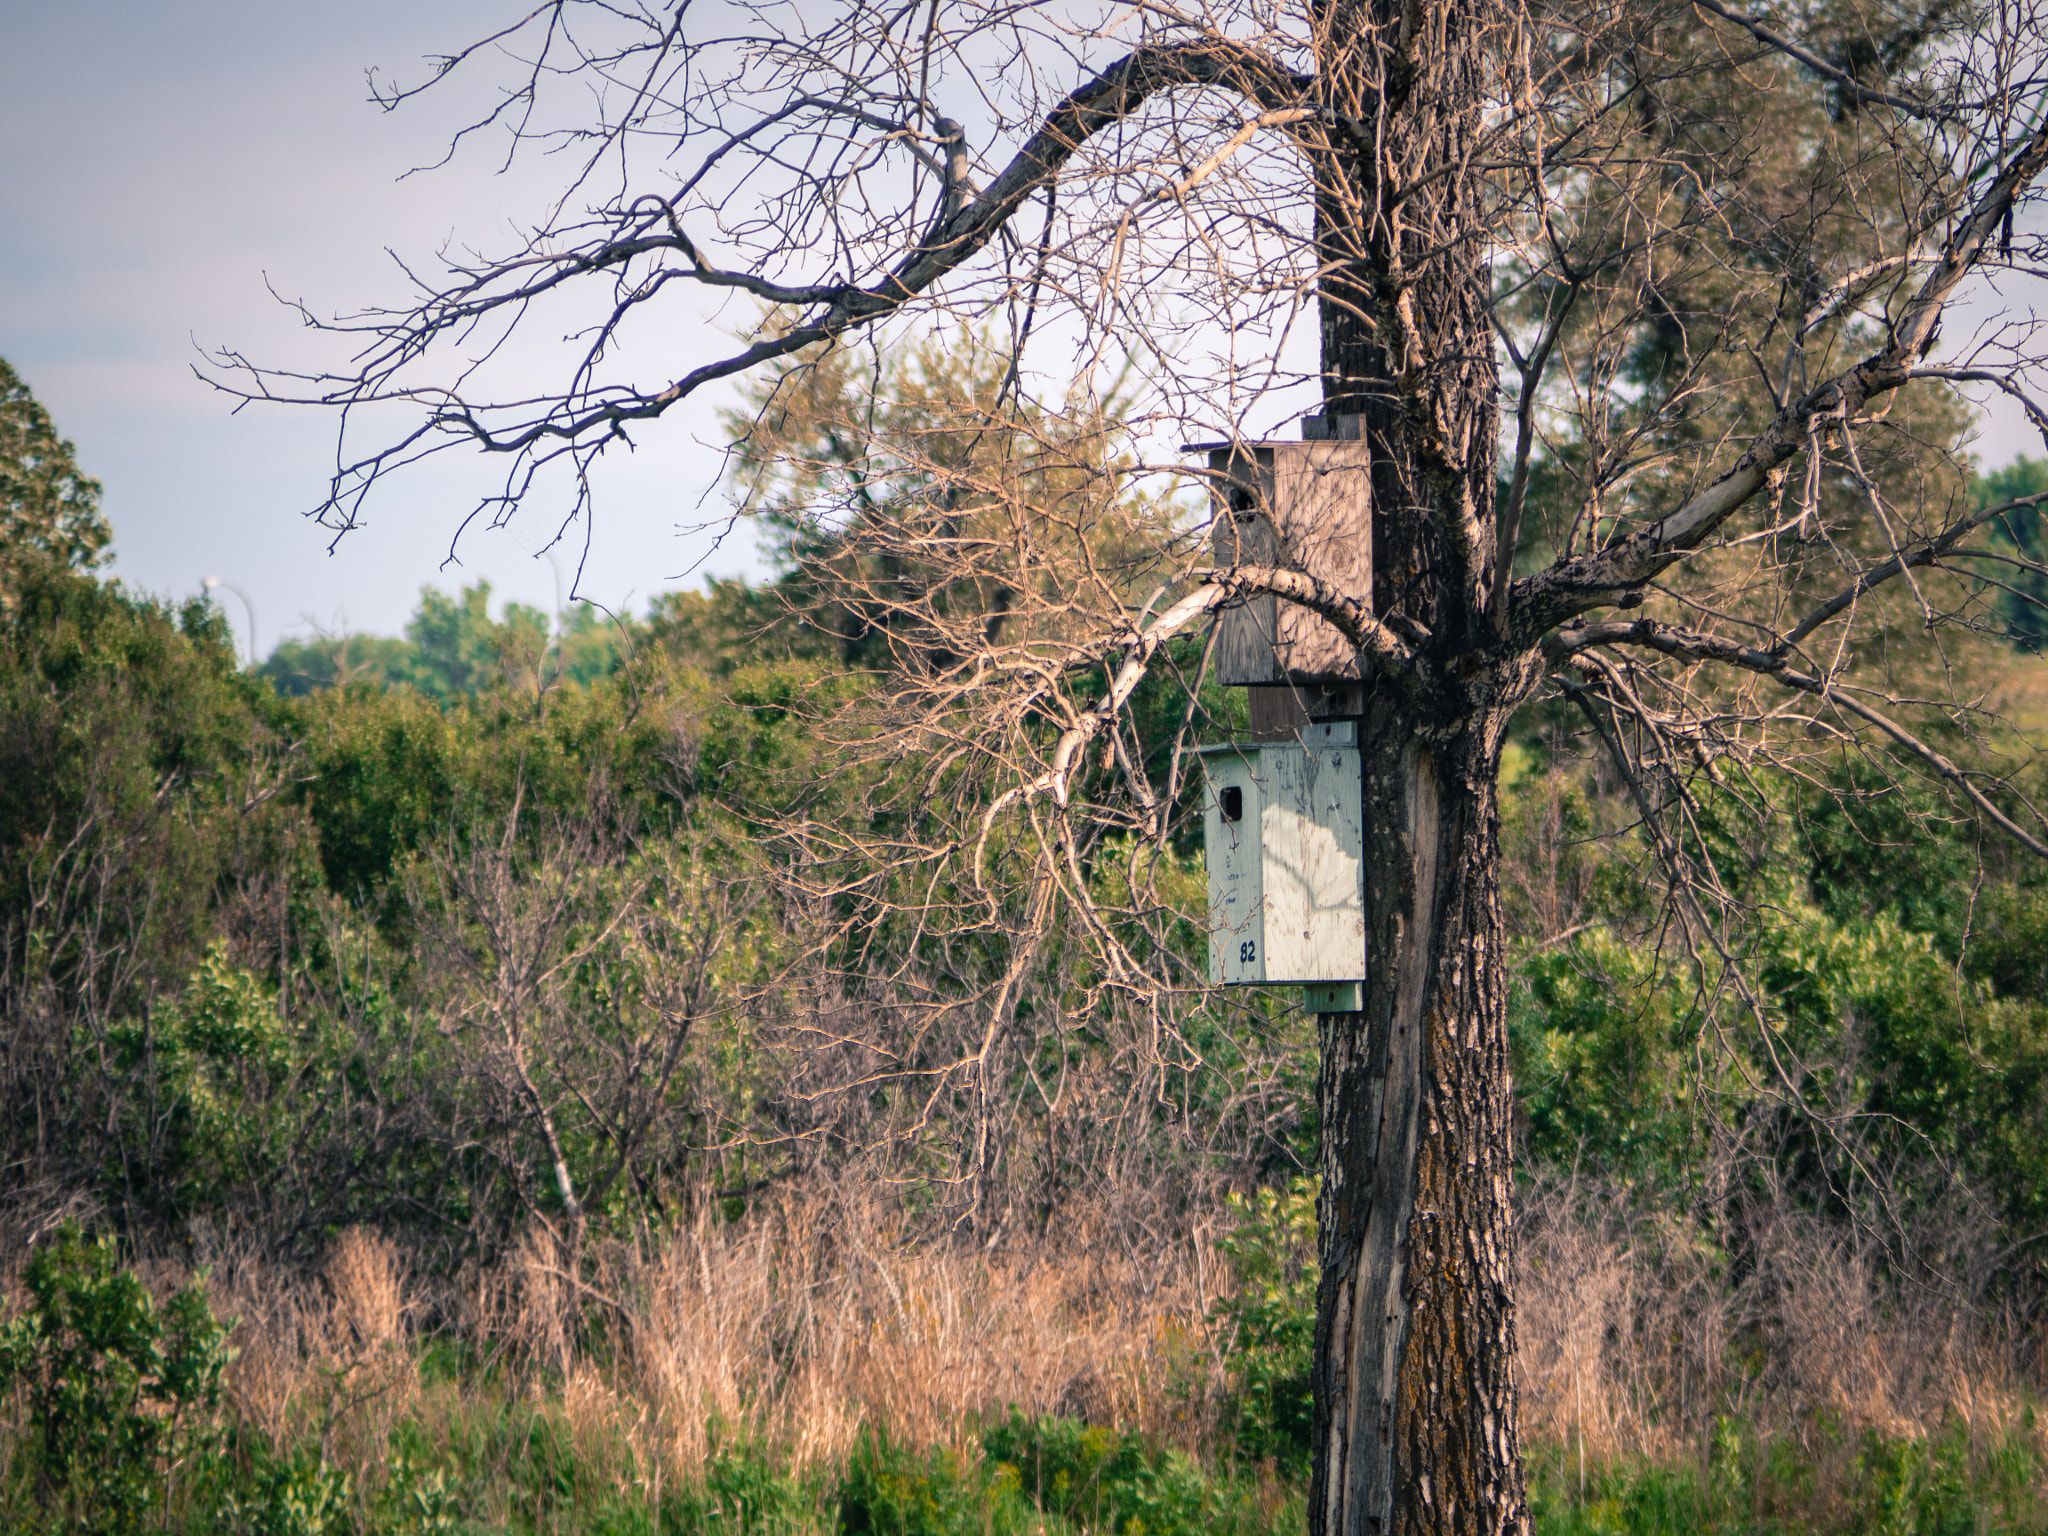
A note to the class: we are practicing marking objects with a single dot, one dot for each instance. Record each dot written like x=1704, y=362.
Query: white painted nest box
x=1285, y=842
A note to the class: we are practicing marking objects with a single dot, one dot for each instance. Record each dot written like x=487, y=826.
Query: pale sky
x=158, y=163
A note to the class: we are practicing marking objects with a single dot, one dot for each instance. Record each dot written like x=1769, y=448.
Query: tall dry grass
x=791, y=1329
x=1638, y=1334
x=818, y=1314
x=331, y=1357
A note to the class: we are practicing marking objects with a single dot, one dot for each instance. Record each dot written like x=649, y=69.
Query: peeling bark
x=1415, y=1395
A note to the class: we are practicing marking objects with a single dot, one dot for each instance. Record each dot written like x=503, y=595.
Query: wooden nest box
x=1284, y=839
x=1305, y=506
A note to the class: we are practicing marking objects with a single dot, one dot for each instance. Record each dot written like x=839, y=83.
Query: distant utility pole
x=213, y=583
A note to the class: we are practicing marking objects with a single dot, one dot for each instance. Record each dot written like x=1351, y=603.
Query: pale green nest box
x=1285, y=843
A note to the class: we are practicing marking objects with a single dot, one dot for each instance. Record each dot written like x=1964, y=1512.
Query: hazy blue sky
x=158, y=162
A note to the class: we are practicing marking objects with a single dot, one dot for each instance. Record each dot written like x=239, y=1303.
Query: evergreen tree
x=2022, y=539
x=49, y=510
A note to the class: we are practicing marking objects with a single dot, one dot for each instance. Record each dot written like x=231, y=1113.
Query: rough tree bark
x=1415, y=1419
x=1414, y=1387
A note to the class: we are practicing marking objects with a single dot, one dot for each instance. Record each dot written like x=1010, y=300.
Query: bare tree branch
x=1685, y=645
x=1576, y=583
x=1851, y=87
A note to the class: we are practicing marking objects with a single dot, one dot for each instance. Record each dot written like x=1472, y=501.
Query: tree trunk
x=1415, y=1392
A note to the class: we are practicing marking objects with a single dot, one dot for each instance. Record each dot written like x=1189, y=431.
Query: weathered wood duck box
x=1285, y=845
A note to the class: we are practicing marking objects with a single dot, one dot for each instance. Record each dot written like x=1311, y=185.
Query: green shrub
x=891, y=1491
x=1748, y=1484
x=1113, y=1481
x=742, y=1494
x=1270, y=1324
x=122, y=1396
x=298, y=1495
x=416, y=1500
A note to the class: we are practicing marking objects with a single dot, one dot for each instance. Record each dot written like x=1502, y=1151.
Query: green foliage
x=416, y=1500
x=454, y=650
x=756, y=748
x=138, y=773
x=383, y=779
x=2023, y=602
x=1114, y=1482
x=1611, y=1078
x=459, y=649
x=390, y=771
x=594, y=645
x=290, y=1495
x=1601, y=1034
x=1872, y=844
x=121, y=1394
x=1899, y=971
x=49, y=511
x=1158, y=708
x=1270, y=1323
x=1943, y=1484
x=216, y=906
x=743, y=1490
x=300, y=667
x=729, y=626
x=505, y=1465
x=212, y=1059
x=887, y=1491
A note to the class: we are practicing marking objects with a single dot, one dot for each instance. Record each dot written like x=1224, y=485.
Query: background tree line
x=447, y=931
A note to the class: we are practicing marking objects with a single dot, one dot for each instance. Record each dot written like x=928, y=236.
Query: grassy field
x=796, y=1373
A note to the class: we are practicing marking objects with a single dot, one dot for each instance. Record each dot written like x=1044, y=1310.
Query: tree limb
x=1390, y=656
x=1924, y=554
x=1688, y=645
x=1629, y=560
x=1911, y=106
x=1111, y=97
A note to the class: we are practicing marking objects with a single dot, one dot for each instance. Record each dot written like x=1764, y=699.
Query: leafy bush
x=1111, y=1481
x=1933, y=1485
x=212, y=1060
x=121, y=1395
x=298, y=1495
x=889, y=1491
x=1600, y=1032
x=742, y=1491
x=1270, y=1323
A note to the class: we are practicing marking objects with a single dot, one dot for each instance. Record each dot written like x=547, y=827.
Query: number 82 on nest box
x=1284, y=839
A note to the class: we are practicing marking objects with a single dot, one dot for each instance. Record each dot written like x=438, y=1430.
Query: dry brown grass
x=791, y=1329
x=331, y=1356
x=1637, y=1335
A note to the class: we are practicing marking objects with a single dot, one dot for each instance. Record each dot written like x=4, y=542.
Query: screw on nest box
x=1305, y=506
